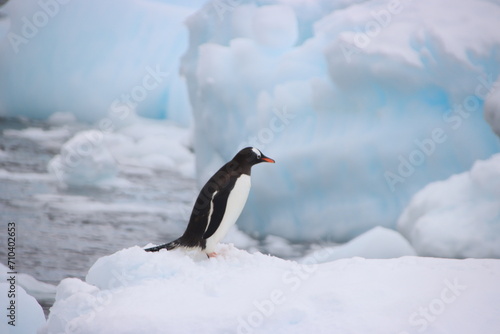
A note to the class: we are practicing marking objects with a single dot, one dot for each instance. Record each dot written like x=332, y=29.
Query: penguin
x=219, y=204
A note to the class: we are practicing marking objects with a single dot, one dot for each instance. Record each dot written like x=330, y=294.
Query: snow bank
x=361, y=103
x=458, y=217
x=133, y=291
x=92, y=56
x=377, y=243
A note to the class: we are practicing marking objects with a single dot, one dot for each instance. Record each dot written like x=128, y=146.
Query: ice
x=88, y=57
x=28, y=314
x=33, y=287
x=84, y=160
x=133, y=291
x=377, y=243
x=48, y=138
x=275, y=26
x=361, y=106
x=458, y=217
x=95, y=157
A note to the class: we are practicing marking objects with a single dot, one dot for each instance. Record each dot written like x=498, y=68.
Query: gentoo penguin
x=219, y=204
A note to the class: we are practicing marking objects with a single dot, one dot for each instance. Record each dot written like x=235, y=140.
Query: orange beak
x=266, y=159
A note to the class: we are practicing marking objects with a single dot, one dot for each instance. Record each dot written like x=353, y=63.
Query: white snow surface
x=28, y=317
x=133, y=291
x=361, y=104
x=458, y=217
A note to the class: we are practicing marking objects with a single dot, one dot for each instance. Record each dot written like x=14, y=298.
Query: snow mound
x=377, y=243
x=458, y=217
x=361, y=104
x=28, y=315
x=133, y=291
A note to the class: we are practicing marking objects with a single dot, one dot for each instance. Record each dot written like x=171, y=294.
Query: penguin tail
x=169, y=246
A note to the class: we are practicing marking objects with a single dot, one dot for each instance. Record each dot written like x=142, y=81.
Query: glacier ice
x=89, y=57
x=458, y=217
x=371, y=102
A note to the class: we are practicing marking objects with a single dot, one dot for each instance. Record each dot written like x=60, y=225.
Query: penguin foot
x=213, y=254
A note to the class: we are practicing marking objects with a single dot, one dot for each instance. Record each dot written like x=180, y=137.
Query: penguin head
x=251, y=156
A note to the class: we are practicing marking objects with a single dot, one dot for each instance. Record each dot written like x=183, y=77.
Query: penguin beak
x=266, y=159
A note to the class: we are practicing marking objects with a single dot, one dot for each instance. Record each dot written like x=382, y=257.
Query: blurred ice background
x=382, y=116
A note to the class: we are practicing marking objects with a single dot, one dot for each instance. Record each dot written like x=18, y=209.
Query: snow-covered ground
x=133, y=291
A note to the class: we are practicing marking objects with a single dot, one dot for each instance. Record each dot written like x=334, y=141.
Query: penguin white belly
x=235, y=203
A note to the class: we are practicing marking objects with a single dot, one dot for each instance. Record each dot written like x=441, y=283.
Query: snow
x=133, y=291
x=458, y=217
x=27, y=314
x=360, y=103
x=32, y=286
x=377, y=243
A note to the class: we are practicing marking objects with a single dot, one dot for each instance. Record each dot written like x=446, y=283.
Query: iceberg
x=89, y=57
x=133, y=291
x=361, y=103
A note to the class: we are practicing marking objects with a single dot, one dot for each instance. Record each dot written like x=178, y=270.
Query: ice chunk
x=27, y=314
x=84, y=160
x=458, y=217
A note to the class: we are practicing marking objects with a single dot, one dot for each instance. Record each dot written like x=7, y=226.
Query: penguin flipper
x=219, y=208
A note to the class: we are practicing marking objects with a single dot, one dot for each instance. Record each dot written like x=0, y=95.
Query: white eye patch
x=257, y=152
